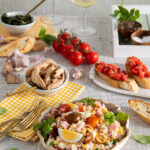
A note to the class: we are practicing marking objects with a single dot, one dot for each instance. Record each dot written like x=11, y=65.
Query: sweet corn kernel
x=101, y=121
x=83, y=146
x=120, y=130
x=93, y=112
x=57, y=142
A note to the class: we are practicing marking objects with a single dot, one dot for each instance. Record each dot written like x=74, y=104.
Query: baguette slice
x=129, y=85
x=24, y=45
x=141, y=108
x=38, y=46
x=7, y=39
x=145, y=82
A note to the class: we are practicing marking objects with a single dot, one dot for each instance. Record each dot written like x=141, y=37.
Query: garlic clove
x=76, y=73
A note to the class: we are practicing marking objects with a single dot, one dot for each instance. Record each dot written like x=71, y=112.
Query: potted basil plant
x=127, y=20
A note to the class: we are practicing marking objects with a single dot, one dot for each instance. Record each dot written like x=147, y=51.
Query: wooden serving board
x=34, y=30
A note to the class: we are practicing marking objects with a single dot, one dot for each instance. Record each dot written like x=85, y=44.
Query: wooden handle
x=14, y=93
x=34, y=7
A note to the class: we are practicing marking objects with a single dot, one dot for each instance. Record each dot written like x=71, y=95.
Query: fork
x=30, y=119
x=25, y=114
x=19, y=126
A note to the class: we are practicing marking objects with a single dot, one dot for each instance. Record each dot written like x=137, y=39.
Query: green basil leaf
x=143, y=139
x=52, y=144
x=48, y=39
x=47, y=128
x=114, y=141
x=3, y=110
x=50, y=120
x=97, y=148
x=137, y=14
x=112, y=119
x=42, y=32
x=89, y=101
x=13, y=149
x=37, y=127
x=124, y=11
x=122, y=116
x=108, y=115
x=132, y=12
x=106, y=144
x=116, y=13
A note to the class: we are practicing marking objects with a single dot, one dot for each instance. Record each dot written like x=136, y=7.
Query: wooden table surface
x=101, y=42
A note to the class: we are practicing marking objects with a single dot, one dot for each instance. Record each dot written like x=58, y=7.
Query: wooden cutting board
x=34, y=30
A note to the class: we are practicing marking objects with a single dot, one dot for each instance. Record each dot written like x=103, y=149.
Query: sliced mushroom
x=48, y=78
x=36, y=78
x=56, y=84
x=42, y=65
x=58, y=72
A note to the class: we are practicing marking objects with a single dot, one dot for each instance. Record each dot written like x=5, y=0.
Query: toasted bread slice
x=7, y=39
x=144, y=82
x=38, y=46
x=141, y=108
x=24, y=45
x=12, y=79
x=129, y=85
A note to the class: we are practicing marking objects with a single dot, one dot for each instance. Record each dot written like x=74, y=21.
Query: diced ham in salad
x=83, y=125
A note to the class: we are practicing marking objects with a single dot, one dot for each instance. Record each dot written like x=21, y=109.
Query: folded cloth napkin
x=19, y=103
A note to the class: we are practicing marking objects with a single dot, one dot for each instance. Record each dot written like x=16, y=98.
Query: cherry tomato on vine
x=84, y=48
x=57, y=43
x=64, y=108
x=76, y=58
x=64, y=35
x=75, y=41
x=91, y=57
x=65, y=50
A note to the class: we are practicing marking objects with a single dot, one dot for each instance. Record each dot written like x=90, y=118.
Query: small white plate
x=103, y=84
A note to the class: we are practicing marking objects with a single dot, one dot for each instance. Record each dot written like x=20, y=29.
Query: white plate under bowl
x=103, y=84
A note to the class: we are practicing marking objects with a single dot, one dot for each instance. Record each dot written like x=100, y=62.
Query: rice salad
x=87, y=124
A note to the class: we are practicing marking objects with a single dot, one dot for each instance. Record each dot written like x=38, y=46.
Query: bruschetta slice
x=141, y=108
x=136, y=69
x=7, y=39
x=24, y=45
x=112, y=74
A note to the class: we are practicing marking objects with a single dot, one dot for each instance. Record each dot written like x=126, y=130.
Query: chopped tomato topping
x=112, y=71
x=138, y=68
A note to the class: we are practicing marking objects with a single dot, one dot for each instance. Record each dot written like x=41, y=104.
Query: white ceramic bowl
x=52, y=92
x=112, y=107
x=17, y=29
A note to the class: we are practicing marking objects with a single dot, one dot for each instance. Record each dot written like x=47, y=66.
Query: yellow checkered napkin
x=19, y=103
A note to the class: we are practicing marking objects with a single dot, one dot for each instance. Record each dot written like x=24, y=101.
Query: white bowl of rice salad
x=88, y=124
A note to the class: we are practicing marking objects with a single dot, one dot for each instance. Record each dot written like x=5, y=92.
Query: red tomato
x=64, y=108
x=141, y=74
x=91, y=57
x=124, y=77
x=147, y=74
x=76, y=58
x=93, y=121
x=65, y=50
x=84, y=47
x=64, y=35
x=100, y=68
x=75, y=41
x=57, y=43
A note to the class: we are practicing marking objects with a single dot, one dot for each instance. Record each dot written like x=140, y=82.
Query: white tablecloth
x=103, y=44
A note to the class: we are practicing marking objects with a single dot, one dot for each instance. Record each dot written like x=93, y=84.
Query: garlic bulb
x=20, y=61
x=76, y=73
